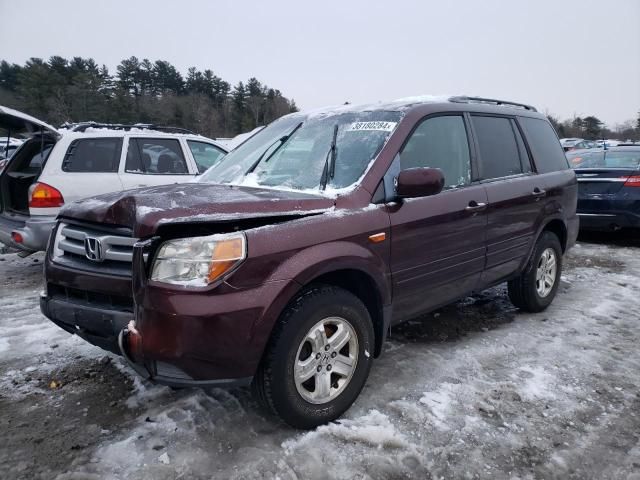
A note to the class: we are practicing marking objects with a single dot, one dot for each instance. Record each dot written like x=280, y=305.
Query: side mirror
x=419, y=182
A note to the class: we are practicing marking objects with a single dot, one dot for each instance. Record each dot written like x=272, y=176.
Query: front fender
x=310, y=263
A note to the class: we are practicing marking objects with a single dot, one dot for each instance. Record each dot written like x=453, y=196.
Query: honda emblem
x=93, y=249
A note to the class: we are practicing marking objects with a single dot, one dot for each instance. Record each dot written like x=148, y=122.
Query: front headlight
x=198, y=261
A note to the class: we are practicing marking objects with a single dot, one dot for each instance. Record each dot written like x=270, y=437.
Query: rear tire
x=534, y=290
x=318, y=358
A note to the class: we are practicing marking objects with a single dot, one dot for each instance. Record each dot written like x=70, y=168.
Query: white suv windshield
x=297, y=151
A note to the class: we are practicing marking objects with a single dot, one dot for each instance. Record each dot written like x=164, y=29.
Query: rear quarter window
x=548, y=155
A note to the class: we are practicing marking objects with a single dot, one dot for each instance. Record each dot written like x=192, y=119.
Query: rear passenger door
x=437, y=242
x=154, y=161
x=514, y=193
x=89, y=167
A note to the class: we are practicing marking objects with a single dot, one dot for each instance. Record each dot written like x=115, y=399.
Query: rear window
x=499, y=154
x=32, y=157
x=156, y=156
x=93, y=155
x=548, y=155
x=606, y=159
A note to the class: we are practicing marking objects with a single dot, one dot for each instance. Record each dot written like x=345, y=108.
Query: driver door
x=438, y=242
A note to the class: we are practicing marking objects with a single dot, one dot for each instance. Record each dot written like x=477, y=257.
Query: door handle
x=538, y=193
x=475, y=206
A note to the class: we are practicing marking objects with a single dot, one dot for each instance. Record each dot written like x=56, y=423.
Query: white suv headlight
x=198, y=261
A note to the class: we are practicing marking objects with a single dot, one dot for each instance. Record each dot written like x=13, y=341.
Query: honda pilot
x=285, y=265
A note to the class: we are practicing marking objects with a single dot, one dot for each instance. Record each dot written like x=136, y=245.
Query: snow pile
x=373, y=429
x=351, y=448
x=477, y=390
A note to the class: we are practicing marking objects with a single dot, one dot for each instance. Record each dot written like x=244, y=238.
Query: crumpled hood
x=145, y=209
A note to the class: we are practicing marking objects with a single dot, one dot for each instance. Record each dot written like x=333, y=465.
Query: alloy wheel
x=546, y=272
x=326, y=360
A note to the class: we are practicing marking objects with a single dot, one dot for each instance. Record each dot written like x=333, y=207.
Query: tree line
x=592, y=128
x=61, y=91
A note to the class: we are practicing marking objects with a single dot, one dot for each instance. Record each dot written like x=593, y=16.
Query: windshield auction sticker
x=379, y=126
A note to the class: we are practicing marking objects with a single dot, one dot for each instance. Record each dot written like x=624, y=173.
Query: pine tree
x=239, y=99
x=592, y=127
x=60, y=90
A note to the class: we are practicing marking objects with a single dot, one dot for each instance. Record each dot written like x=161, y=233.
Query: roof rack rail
x=490, y=101
x=628, y=144
x=81, y=127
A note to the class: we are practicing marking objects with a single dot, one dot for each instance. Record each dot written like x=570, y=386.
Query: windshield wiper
x=282, y=141
x=330, y=160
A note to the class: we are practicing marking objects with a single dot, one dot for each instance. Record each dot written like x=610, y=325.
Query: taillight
x=45, y=196
x=633, y=181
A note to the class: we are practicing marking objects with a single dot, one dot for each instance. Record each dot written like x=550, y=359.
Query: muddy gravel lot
x=475, y=390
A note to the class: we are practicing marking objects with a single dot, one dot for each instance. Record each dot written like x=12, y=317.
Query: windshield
x=296, y=151
x=606, y=159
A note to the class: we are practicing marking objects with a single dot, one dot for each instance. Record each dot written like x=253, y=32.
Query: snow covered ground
x=475, y=390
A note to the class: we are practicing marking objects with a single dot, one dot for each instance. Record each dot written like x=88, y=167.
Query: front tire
x=318, y=358
x=534, y=290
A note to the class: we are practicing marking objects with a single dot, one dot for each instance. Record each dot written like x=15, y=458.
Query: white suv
x=55, y=167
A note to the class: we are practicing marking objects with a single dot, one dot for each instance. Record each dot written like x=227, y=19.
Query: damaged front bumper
x=130, y=340
x=115, y=331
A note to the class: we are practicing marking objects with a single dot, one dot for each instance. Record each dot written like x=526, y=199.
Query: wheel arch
x=555, y=225
x=559, y=228
x=356, y=270
x=364, y=287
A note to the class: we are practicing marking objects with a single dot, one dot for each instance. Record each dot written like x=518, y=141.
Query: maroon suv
x=286, y=264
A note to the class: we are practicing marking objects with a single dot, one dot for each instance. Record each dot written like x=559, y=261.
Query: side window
x=548, y=155
x=205, y=154
x=93, y=155
x=525, y=161
x=156, y=156
x=440, y=142
x=499, y=155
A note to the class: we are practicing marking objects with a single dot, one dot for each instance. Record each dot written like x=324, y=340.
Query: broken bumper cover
x=95, y=325
x=111, y=330
x=164, y=373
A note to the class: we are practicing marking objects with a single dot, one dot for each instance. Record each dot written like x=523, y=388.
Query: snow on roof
x=397, y=104
x=110, y=132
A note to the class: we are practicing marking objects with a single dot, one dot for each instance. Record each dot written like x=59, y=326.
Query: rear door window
x=93, y=155
x=440, y=142
x=205, y=154
x=548, y=155
x=497, y=145
x=155, y=156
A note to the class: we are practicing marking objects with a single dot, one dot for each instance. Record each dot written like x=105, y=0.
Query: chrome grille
x=115, y=249
x=119, y=249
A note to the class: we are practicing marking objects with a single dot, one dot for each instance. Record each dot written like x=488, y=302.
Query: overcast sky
x=567, y=57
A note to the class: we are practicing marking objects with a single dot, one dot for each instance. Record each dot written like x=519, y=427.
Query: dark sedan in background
x=608, y=187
